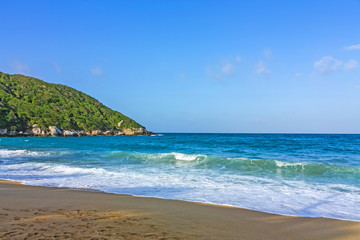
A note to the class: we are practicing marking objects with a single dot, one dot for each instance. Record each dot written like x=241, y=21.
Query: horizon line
x=258, y=133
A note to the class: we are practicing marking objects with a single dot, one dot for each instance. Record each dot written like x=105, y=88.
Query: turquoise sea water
x=291, y=174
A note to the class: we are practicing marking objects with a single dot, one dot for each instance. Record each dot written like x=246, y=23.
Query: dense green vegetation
x=25, y=101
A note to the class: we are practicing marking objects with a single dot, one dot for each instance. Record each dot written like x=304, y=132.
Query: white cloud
x=353, y=47
x=327, y=65
x=20, y=67
x=227, y=69
x=96, y=71
x=298, y=74
x=268, y=53
x=261, y=69
x=222, y=71
x=350, y=65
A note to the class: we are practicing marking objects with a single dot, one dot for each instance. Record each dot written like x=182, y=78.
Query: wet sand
x=30, y=212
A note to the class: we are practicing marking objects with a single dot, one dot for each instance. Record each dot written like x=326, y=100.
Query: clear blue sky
x=197, y=66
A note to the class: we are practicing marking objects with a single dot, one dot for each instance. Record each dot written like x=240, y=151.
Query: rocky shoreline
x=54, y=131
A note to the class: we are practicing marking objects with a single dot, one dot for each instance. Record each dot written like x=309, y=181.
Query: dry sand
x=28, y=212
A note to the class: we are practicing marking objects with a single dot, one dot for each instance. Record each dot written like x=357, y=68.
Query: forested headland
x=29, y=106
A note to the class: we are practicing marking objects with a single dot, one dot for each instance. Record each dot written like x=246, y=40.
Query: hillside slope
x=30, y=105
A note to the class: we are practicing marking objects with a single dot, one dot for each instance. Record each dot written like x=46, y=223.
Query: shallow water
x=292, y=174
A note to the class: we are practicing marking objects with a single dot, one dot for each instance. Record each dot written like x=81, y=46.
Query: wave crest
x=242, y=165
x=6, y=153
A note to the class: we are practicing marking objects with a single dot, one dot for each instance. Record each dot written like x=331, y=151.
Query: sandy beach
x=31, y=212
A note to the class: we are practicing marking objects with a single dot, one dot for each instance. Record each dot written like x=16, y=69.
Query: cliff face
x=32, y=107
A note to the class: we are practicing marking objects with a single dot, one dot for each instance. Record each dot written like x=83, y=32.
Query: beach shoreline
x=35, y=212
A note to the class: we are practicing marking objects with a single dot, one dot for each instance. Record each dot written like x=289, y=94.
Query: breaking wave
x=6, y=153
x=271, y=185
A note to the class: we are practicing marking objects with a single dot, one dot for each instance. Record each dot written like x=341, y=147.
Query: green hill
x=25, y=101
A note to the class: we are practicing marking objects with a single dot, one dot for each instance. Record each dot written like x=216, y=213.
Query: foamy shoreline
x=164, y=198
x=44, y=212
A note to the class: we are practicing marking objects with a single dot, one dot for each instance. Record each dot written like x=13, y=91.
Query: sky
x=197, y=66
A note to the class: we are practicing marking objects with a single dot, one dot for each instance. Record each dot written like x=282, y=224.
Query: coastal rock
x=39, y=132
x=68, y=133
x=140, y=131
x=54, y=131
x=128, y=131
x=108, y=133
x=3, y=131
x=120, y=133
x=44, y=133
x=23, y=134
x=29, y=132
x=134, y=131
x=13, y=133
x=96, y=133
x=81, y=133
x=36, y=131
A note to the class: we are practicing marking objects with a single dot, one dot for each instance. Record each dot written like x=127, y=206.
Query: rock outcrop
x=13, y=133
x=135, y=131
x=3, y=131
x=54, y=131
x=96, y=133
x=35, y=130
x=68, y=133
x=108, y=133
x=81, y=133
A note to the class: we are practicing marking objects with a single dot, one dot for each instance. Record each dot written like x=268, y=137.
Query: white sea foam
x=6, y=153
x=287, y=164
x=186, y=157
x=53, y=169
x=165, y=157
x=280, y=196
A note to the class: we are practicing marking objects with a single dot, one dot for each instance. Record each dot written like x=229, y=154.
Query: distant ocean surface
x=291, y=174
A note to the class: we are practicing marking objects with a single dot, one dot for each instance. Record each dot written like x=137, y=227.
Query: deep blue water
x=293, y=174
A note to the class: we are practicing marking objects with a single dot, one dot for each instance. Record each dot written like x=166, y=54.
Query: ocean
x=315, y=175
